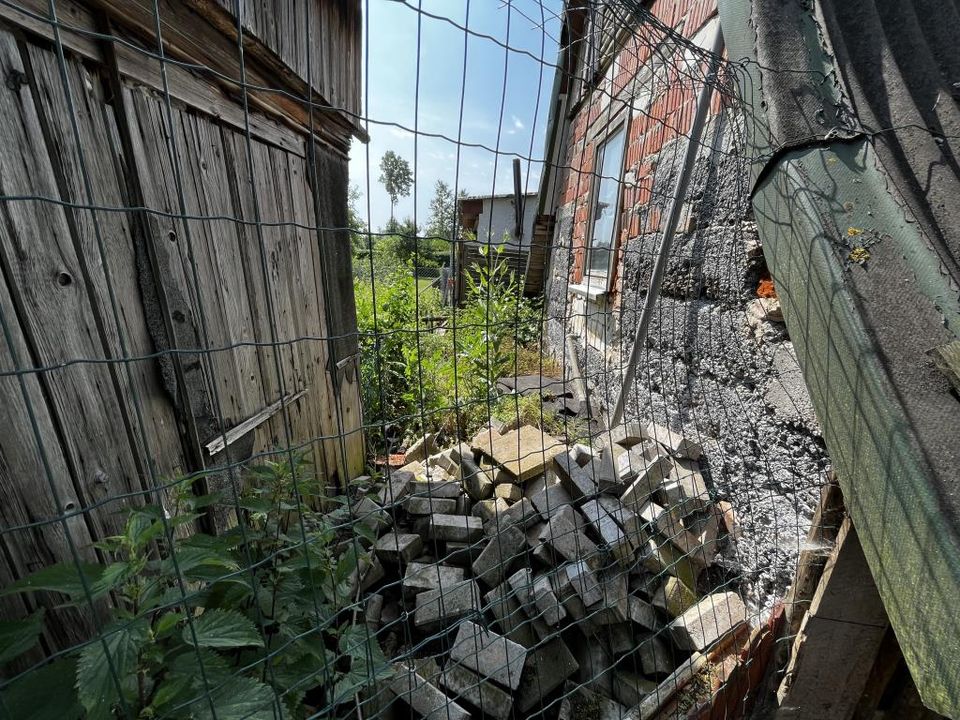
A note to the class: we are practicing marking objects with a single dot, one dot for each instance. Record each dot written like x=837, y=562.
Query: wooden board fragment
x=524, y=453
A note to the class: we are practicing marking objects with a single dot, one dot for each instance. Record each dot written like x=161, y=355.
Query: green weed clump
x=420, y=378
x=255, y=622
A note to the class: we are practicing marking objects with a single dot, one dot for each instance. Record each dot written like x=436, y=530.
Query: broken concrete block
x=395, y=488
x=458, y=528
x=476, y=482
x=615, y=607
x=661, y=520
x=465, y=683
x=596, y=666
x=562, y=533
x=627, y=434
x=730, y=519
x=631, y=688
x=508, y=491
x=522, y=514
x=399, y=548
x=552, y=611
x=492, y=656
x=575, y=480
x=425, y=699
x=368, y=513
x=539, y=550
x=659, y=556
x=428, y=506
x=436, y=489
x=423, y=446
x=439, y=608
x=372, y=611
x=494, y=562
x=422, y=577
x=511, y=618
x=603, y=472
x=545, y=669
x=674, y=597
x=684, y=488
x=677, y=444
x=585, y=583
x=621, y=638
x=649, y=476
x=487, y=510
x=609, y=531
x=706, y=622
x=521, y=582
x=445, y=461
x=627, y=519
x=642, y=613
x=461, y=554
x=656, y=657
x=524, y=452
x=550, y=499
x=369, y=572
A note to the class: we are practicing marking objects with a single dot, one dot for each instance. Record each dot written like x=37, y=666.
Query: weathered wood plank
x=108, y=256
x=57, y=305
x=839, y=638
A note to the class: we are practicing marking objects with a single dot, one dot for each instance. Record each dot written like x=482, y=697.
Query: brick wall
x=668, y=116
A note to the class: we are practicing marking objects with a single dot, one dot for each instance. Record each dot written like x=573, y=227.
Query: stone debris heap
x=511, y=573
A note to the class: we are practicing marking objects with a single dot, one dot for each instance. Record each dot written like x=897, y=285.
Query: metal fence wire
x=267, y=455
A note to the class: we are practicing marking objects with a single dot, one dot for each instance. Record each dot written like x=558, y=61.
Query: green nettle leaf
x=223, y=629
x=18, y=636
x=46, y=693
x=241, y=698
x=66, y=578
x=105, y=663
x=166, y=623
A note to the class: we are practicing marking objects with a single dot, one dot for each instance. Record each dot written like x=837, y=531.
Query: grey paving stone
x=395, y=488
x=428, y=506
x=643, y=613
x=656, y=657
x=545, y=669
x=437, y=609
x=482, y=694
x=476, y=482
x=563, y=535
x=610, y=532
x=574, y=479
x=491, y=655
x=448, y=489
x=631, y=688
x=677, y=444
x=398, y=548
x=552, y=611
x=585, y=583
x=511, y=619
x=458, y=528
x=424, y=698
x=421, y=577
x=706, y=622
x=501, y=551
x=550, y=499
x=523, y=514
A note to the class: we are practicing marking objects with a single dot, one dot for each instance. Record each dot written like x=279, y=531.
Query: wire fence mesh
x=265, y=459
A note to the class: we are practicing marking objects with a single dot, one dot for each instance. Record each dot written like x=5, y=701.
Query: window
x=606, y=204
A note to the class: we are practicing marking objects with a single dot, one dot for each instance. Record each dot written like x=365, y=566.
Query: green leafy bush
x=420, y=378
x=252, y=622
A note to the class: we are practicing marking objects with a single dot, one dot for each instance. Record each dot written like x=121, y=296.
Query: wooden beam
x=224, y=440
x=839, y=638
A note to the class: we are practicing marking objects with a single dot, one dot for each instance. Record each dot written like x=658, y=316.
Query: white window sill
x=591, y=288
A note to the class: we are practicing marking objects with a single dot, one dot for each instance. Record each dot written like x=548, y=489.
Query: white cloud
x=517, y=122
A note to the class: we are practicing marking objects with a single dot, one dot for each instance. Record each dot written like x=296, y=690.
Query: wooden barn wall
x=334, y=45
x=129, y=334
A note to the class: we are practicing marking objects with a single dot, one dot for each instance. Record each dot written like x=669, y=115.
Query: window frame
x=603, y=279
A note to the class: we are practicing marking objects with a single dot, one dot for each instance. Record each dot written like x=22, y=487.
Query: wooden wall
x=163, y=279
x=333, y=49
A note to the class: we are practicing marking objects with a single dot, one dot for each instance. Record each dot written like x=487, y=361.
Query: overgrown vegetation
x=443, y=380
x=255, y=622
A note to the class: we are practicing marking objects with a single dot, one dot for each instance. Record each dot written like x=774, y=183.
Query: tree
x=396, y=177
x=443, y=212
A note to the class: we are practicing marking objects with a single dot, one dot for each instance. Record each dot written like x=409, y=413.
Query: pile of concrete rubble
x=514, y=575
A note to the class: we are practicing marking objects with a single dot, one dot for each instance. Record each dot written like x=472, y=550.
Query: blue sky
x=494, y=116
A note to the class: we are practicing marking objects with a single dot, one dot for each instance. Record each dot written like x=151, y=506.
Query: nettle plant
x=257, y=622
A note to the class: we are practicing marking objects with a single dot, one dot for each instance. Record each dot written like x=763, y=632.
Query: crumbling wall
x=718, y=364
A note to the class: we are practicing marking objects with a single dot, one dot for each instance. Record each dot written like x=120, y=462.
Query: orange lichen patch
x=766, y=288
